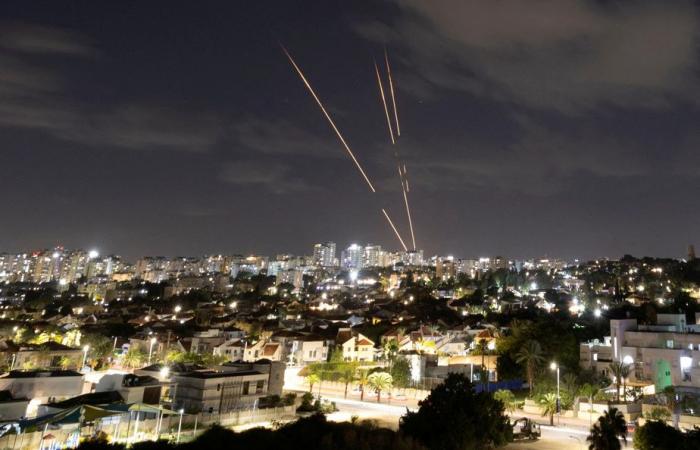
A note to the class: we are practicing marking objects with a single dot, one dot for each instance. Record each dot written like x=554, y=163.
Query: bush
x=658, y=413
x=289, y=399
x=270, y=401
x=306, y=403
x=655, y=435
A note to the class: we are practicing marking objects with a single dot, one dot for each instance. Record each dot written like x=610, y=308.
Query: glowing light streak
x=386, y=108
x=328, y=117
x=391, y=90
x=395, y=230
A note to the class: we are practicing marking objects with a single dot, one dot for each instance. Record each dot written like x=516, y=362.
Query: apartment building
x=664, y=354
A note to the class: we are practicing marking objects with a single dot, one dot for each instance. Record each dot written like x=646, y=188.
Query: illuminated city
x=324, y=225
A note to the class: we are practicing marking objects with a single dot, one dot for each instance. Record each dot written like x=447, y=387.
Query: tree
x=346, y=375
x=670, y=396
x=607, y=431
x=549, y=406
x=390, y=349
x=658, y=413
x=401, y=373
x=482, y=347
x=590, y=391
x=362, y=376
x=66, y=363
x=531, y=356
x=455, y=417
x=380, y=381
x=133, y=357
x=101, y=348
x=620, y=371
x=571, y=390
x=507, y=398
x=312, y=379
x=656, y=435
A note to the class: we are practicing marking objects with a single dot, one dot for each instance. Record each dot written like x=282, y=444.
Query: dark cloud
x=566, y=55
x=36, y=39
x=282, y=137
x=270, y=176
x=35, y=95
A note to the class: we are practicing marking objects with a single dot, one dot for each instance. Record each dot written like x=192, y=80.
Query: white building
x=353, y=257
x=324, y=254
x=665, y=354
x=42, y=386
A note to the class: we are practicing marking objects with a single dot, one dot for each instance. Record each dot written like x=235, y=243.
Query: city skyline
x=129, y=128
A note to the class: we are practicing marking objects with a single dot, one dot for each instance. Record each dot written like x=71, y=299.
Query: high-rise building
x=324, y=254
x=445, y=268
x=352, y=257
x=412, y=258
x=372, y=256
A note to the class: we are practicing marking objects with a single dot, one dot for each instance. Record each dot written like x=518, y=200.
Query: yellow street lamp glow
x=553, y=366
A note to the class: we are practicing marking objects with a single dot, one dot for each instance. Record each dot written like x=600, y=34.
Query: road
x=557, y=437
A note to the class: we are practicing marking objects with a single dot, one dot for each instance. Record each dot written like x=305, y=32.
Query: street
x=567, y=436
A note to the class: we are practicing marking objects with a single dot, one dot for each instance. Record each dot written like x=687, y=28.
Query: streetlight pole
x=150, y=349
x=555, y=366
x=179, y=426
x=85, y=352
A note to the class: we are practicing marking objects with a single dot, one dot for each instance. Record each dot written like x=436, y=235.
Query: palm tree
x=380, y=381
x=531, y=356
x=312, y=379
x=590, y=391
x=362, y=377
x=133, y=357
x=620, y=370
x=346, y=375
x=549, y=405
x=482, y=347
x=607, y=431
x=572, y=388
x=670, y=394
x=391, y=348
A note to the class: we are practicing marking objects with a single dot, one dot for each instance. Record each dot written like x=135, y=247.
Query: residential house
x=42, y=386
x=357, y=348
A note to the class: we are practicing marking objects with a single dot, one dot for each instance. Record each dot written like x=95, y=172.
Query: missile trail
x=395, y=230
x=404, y=190
x=408, y=213
x=386, y=108
x=402, y=175
x=328, y=117
x=391, y=90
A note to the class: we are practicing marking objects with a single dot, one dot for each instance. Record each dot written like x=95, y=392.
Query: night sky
x=567, y=128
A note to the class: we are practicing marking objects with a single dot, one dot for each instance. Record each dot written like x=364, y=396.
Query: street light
x=150, y=349
x=85, y=352
x=179, y=426
x=555, y=366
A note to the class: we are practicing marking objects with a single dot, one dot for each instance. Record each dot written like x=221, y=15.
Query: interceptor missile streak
x=328, y=117
x=395, y=230
x=386, y=108
x=410, y=221
x=391, y=91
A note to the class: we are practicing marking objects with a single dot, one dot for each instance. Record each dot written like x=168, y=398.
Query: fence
x=123, y=429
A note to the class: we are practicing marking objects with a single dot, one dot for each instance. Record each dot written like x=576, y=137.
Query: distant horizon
x=339, y=249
